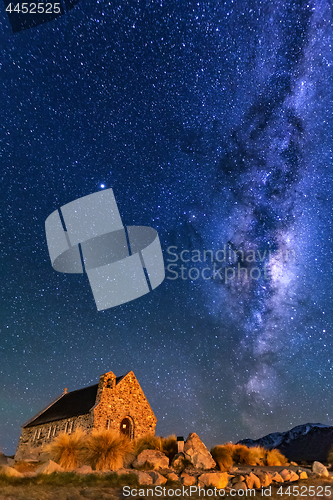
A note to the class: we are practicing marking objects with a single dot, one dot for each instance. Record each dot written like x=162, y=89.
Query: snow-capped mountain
x=306, y=442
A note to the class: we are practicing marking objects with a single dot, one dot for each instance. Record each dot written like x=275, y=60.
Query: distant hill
x=306, y=442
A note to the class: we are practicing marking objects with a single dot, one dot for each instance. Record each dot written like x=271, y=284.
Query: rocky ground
x=192, y=473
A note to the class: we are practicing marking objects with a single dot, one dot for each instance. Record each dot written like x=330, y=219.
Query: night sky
x=212, y=123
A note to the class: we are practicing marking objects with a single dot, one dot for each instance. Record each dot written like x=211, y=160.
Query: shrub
x=106, y=449
x=241, y=454
x=68, y=449
x=222, y=454
x=147, y=443
x=170, y=446
x=275, y=457
x=257, y=455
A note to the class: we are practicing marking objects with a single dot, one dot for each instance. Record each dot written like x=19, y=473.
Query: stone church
x=116, y=403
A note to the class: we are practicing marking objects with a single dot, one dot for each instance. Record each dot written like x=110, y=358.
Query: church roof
x=68, y=405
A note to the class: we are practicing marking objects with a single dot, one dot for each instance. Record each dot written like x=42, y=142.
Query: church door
x=125, y=427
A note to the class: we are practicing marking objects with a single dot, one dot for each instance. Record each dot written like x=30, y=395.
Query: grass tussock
x=275, y=457
x=106, y=450
x=230, y=454
x=223, y=457
x=68, y=450
x=170, y=446
x=147, y=443
x=257, y=455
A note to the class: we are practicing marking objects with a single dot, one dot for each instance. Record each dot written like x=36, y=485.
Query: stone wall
x=121, y=401
x=34, y=438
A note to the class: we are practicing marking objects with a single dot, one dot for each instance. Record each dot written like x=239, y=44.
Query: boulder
x=240, y=486
x=85, y=469
x=293, y=476
x=319, y=469
x=11, y=472
x=293, y=463
x=178, y=461
x=285, y=474
x=49, y=467
x=264, y=478
x=252, y=481
x=172, y=476
x=277, y=478
x=302, y=474
x=154, y=457
x=157, y=478
x=216, y=479
x=197, y=453
x=187, y=480
x=143, y=477
x=237, y=478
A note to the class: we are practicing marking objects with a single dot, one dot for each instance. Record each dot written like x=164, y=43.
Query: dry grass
x=241, y=454
x=106, y=450
x=223, y=457
x=147, y=443
x=257, y=455
x=275, y=457
x=68, y=449
x=170, y=446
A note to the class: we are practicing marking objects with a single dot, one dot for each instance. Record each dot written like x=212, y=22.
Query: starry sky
x=211, y=121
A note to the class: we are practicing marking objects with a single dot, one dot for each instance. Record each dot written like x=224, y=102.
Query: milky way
x=211, y=121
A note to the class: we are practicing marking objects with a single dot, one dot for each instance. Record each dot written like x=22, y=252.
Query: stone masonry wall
x=124, y=400
x=33, y=439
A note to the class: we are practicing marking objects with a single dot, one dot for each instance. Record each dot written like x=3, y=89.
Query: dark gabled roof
x=68, y=405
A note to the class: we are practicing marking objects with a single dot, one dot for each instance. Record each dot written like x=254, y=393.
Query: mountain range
x=306, y=442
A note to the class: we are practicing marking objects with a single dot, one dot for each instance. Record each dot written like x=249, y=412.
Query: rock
x=302, y=474
x=252, y=481
x=172, y=476
x=319, y=469
x=178, y=461
x=216, y=479
x=240, y=486
x=10, y=462
x=197, y=453
x=293, y=476
x=3, y=459
x=237, y=479
x=277, y=478
x=154, y=457
x=49, y=467
x=264, y=478
x=143, y=477
x=285, y=474
x=294, y=464
x=187, y=480
x=85, y=469
x=157, y=478
x=11, y=472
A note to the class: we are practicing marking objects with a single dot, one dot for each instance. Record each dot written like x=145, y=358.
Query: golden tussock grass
x=147, y=443
x=275, y=457
x=106, y=450
x=68, y=449
x=222, y=454
x=257, y=455
x=170, y=446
